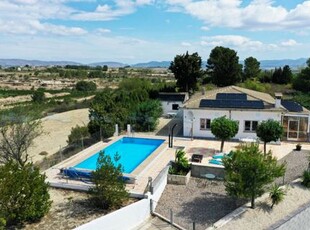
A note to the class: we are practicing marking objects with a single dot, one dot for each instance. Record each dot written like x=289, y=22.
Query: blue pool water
x=133, y=151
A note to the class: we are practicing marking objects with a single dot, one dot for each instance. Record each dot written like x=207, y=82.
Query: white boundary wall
x=125, y=218
x=132, y=215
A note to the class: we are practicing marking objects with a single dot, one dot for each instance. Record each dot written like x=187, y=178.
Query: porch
x=296, y=127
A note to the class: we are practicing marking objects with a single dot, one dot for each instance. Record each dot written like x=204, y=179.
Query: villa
x=172, y=102
x=249, y=108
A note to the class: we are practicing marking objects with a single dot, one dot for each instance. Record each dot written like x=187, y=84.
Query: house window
x=205, y=124
x=250, y=126
x=175, y=106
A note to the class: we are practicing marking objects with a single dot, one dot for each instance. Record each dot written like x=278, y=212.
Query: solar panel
x=291, y=106
x=238, y=104
x=231, y=96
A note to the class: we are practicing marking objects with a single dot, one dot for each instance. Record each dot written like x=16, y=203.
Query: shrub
x=181, y=165
x=24, y=193
x=78, y=133
x=109, y=190
x=43, y=153
x=38, y=96
x=86, y=86
x=306, y=179
x=276, y=194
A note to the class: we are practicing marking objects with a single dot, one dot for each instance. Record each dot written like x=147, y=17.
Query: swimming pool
x=133, y=151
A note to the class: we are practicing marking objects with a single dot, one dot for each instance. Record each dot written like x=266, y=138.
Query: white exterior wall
x=196, y=114
x=167, y=106
x=132, y=215
x=122, y=219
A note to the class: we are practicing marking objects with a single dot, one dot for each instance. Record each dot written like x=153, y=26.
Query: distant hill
x=293, y=63
x=152, y=64
x=109, y=64
x=264, y=64
x=23, y=62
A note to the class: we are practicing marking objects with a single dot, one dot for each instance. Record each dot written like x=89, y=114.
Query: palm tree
x=276, y=194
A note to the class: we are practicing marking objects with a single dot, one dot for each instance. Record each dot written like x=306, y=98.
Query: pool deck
x=150, y=167
x=158, y=160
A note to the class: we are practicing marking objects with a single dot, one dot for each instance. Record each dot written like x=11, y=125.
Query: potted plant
x=179, y=169
x=298, y=147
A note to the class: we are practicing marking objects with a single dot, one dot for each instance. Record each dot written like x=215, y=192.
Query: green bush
x=255, y=85
x=276, y=194
x=306, y=179
x=24, y=193
x=38, y=96
x=109, y=191
x=181, y=165
x=78, y=133
x=86, y=86
x=2, y=223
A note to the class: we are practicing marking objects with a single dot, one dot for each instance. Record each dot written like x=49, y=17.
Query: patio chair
x=197, y=158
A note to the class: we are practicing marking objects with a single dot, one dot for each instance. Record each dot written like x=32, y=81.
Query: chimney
x=278, y=97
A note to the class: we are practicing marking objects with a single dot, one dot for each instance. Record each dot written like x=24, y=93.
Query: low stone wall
x=199, y=169
x=178, y=179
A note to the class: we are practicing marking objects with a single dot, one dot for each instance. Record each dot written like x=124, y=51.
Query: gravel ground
x=201, y=201
x=205, y=202
x=296, y=163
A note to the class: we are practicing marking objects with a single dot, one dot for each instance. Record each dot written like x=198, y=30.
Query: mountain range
x=264, y=64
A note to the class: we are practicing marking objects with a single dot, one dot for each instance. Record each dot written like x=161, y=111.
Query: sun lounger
x=86, y=175
x=75, y=173
x=221, y=155
x=216, y=161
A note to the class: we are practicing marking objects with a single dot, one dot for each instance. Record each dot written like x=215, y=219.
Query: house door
x=293, y=130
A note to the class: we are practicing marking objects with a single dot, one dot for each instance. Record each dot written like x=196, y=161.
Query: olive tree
x=268, y=131
x=224, y=129
x=17, y=134
x=248, y=171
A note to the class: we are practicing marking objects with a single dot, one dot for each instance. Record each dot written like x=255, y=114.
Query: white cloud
x=35, y=27
x=257, y=15
x=186, y=44
x=33, y=16
x=231, y=41
x=290, y=42
x=103, y=30
x=205, y=28
x=107, y=12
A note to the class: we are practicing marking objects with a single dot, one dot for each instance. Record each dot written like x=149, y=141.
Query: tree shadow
x=165, y=130
x=264, y=206
x=207, y=209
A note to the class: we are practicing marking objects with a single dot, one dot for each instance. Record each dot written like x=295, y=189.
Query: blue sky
x=132, y=31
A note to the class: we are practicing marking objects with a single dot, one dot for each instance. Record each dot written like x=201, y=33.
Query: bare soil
x=69, y=210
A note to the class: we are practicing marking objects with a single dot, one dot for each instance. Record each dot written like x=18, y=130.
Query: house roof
x=291, y=106
x=173, y=97
x=248, y=99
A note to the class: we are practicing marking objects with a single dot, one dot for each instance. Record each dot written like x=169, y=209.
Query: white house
x=249, y=108
x=172, y=102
